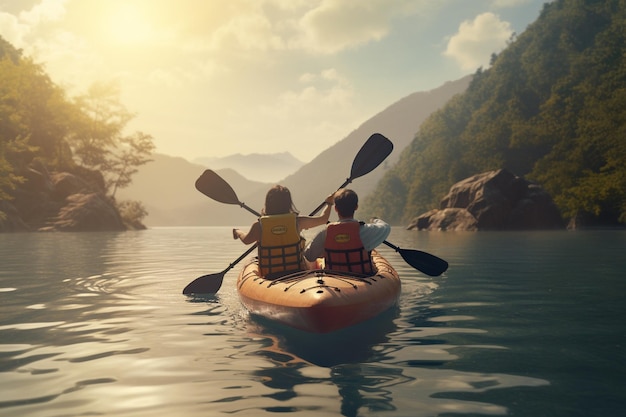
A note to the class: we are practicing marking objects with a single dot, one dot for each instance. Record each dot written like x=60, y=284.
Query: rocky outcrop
x=446, y=219
x=59, y=201
x=495, y=200
x=91, y=212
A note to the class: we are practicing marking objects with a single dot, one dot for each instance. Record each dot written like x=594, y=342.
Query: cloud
x=177, y=77
x=335, y=25
x=13, y=30
x=247, y=32
x=503, y=4
x=21, y=29
x=47, y=10
x=58, y=50
x=475, y=41
x=320, y=108
x=320, y=26
x=325, y=90
x=16, y=28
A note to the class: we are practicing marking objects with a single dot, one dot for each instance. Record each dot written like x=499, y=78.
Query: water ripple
x=95, y=324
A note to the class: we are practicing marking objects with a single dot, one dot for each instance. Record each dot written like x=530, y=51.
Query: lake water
x=522, y=324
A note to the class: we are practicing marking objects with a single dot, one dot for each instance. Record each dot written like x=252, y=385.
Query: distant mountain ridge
x=259, y=167
x=166, y=185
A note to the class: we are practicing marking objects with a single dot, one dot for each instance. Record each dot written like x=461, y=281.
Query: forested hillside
x=53, y=147
x=552, y=108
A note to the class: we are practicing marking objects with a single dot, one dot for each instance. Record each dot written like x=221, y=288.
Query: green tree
x=35, y=112
x=133, y=151
x=99, y=141
x=16, y=102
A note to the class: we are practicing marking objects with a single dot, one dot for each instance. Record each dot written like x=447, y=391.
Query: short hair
x=278, y=201
x=346, y=202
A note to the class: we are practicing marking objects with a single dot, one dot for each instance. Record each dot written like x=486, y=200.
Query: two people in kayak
x=344, y=245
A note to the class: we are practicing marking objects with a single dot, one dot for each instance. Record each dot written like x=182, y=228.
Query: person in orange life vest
x=346, y=245
x=278, y=233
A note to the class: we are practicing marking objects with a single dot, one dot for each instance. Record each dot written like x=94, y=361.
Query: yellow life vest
x=281, y=246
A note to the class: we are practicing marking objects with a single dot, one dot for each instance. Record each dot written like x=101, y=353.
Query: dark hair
x=346, y=202
x=278, y=201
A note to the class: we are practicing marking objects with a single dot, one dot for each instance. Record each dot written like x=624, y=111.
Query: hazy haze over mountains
x=166, y=188
x=259, y=167
x=166, y=185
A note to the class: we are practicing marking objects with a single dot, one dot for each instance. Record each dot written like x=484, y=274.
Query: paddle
x=211, y=283
x=216, y=188
x=372, y=153
x=422, y=261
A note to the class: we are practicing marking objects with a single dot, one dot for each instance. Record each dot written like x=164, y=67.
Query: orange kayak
x=319, y=300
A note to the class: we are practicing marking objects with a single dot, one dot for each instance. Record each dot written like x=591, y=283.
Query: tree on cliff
x=98, y=140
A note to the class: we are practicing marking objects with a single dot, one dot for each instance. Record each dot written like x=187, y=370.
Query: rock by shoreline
x=494, y=200
x=60, y=201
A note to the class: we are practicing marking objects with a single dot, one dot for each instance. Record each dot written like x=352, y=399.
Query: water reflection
x=351, y=345
x=403, y=357
x=330, y=360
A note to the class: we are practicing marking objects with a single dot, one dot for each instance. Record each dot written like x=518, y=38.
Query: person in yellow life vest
x=346, y=245
x=278, y=230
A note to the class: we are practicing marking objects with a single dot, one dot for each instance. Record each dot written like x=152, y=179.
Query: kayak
x=320, y=300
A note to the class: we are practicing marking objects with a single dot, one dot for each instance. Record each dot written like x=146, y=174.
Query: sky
x=211, y=78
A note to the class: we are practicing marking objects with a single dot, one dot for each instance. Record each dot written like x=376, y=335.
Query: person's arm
x=253, y=235
x=308, y=222
x=315, y=248
x=374, y=233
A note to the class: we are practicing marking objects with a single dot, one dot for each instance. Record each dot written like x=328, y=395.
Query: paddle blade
x=372, y=153
x=214, y=186
x=206, y=284
x=423, y=261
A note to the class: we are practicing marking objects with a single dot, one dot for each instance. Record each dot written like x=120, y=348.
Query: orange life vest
x=344, y=251
x=281, y=246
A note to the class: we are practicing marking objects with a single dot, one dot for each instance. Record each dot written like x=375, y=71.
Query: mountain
x=166, y=185
x=551, y=108
x=261, y=167
x=399, y=122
